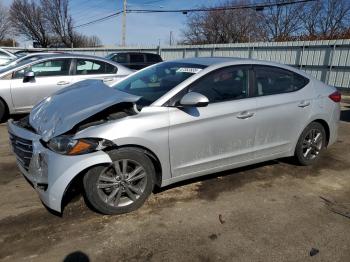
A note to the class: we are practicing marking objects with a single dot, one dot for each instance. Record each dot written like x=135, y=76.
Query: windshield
x=154, y=82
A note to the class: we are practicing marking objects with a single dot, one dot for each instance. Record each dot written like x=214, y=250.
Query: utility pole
x=124, y=24
x=171, y=38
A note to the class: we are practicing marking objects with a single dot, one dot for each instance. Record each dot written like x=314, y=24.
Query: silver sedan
x=24, y=84
x=171, y=122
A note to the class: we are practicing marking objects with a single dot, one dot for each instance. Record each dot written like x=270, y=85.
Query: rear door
x=50, y=76
x=95, y=69
x=220, y=135
x=284, y=102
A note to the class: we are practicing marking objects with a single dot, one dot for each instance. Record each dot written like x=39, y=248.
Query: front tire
x=124, y=185
x=310, y=144
x=3, y=111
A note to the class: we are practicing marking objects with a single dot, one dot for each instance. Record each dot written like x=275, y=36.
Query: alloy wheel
x=122, y=183
x=312, y=144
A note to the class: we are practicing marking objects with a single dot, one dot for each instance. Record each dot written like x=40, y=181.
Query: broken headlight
x=66, y=145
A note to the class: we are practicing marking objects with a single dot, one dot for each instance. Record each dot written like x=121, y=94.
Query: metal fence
x=327, y=60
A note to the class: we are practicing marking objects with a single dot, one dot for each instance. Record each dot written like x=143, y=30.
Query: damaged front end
x=69, y=107
x=48, y=154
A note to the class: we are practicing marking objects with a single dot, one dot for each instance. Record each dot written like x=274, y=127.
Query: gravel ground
x=274, y=211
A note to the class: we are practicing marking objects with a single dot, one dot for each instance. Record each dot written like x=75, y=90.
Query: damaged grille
x=23, y=150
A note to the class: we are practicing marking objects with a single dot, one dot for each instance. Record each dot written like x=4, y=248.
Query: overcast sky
x=144, y=29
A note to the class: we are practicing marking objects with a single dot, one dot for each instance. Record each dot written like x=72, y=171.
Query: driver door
x=219, y=136
x=50, y=76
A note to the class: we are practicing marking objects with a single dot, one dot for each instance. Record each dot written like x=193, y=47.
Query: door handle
x=107, y=79
x=245, y=115
x=304, y=104
x=63, y=83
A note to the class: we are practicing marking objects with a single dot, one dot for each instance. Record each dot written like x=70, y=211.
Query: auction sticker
x=188, y=70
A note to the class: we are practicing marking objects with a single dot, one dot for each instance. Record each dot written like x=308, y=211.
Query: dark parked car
x=135, y=60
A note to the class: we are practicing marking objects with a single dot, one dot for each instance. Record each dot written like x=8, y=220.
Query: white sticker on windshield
x=188, y=70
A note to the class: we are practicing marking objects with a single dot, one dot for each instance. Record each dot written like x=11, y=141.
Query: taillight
x=336, y=96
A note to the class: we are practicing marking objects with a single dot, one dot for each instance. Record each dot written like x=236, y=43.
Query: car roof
x=68, y=55
x=226, y=61
x=39, y=54
x=133, y=52
x=208, y=61
x=55, y=55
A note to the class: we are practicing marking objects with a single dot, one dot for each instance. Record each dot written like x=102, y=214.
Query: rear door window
x=271, y=80
x=93, y=67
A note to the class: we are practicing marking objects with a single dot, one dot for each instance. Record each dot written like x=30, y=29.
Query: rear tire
x=310, y=144
x=123, y=186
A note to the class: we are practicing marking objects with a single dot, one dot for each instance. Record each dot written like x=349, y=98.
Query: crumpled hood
x=66, y=108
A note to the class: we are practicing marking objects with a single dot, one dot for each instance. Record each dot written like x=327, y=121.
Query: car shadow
x=14, y=117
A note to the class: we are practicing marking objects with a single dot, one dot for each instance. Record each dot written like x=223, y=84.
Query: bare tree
x=49, y=23
x=311, y=19
x=223, y=26
x=59, y=20
x=326, y=19
x=86, y=41
x=282, y=22
x=334, y=18
x=94, y=41
x=4, y=23
x=27, y=19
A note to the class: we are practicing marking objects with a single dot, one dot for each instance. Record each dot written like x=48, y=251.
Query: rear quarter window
x=271, y=80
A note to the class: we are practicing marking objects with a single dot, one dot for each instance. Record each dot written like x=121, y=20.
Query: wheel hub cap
x=122, y=183
x=312, y=144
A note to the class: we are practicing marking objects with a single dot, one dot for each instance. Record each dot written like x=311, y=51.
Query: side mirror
x=194, y=99
x=29, y=77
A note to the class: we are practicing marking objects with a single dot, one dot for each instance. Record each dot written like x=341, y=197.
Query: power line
x=258, y=7
x=81, y=13
x=100, y=19
x=212, y=9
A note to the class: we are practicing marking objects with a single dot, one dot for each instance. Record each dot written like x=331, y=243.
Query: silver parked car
x=170, y=122
x=25, y=84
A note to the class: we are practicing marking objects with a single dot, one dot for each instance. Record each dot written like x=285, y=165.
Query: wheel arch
x=75, y=186
x=319, y=120
x=152, y=156
x=325, y=126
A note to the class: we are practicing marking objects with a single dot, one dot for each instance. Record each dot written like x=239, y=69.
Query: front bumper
x=51, y=173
